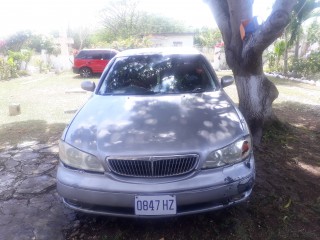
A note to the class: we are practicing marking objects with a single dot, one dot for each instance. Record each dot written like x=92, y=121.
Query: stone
x=44, y=167
x=4, y=155
x=29, y=169
x=11, y=164
x=53, y=149
x=14, y=109
x=25, y=156
x=5, y=220
x=43, y=202
x=37, y=184
x=4, y=158
x=27, y=144
x=6, y=194
x=41, y=146
x=30, y=207
x=51, y=159
x=36, y=169
x=6, y=180
x=8, y=147
x=11, y=207
x=26, y=150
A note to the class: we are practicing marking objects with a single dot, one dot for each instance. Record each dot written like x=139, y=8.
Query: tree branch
x=220, y=11
x=239, y=10
x=272, y=28
x=222, y=14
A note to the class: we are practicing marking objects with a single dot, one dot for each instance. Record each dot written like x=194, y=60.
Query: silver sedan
x=158, y=138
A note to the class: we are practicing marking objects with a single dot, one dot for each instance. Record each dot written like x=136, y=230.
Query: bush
x=4, y=69
x=131, y=42
x=307, y=67
x=10, y=65
x=8, y=68
x=18, y=57
x=23, y=73
x=272, y=66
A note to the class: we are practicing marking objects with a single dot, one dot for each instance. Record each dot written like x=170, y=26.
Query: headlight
x=73, y=157
x=234, y=153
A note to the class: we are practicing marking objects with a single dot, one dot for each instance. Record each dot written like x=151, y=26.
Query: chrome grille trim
x=153, y=166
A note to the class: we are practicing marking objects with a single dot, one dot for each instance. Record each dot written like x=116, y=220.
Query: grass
x=288, y=91
x=43, y=101
x=41, y=97
x=295, y=91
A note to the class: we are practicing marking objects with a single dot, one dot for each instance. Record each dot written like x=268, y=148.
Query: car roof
x=161, y=51
x=98, y=49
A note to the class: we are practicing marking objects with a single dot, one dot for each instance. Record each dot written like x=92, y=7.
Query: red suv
x=90, y=61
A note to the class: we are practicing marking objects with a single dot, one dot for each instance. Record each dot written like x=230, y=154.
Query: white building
x=172, y=40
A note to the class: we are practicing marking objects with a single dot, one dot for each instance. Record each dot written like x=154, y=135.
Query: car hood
x=156, y=125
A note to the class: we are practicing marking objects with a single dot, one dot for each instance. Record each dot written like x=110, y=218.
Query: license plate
x=155, y=205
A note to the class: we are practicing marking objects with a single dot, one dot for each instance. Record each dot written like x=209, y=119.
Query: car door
x=97, y=63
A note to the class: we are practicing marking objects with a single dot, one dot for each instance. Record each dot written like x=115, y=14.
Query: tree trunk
x=285, y=56
x=297, y=48
x=285, y=62
x=256, y=94
x=296, y=54
x=244, y=56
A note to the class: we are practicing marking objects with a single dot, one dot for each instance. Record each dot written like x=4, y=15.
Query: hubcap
x=85, y=72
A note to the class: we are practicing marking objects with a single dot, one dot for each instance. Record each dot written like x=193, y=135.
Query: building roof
x=172, y=34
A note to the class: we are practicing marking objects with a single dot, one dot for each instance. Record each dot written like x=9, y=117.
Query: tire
x=85, y=72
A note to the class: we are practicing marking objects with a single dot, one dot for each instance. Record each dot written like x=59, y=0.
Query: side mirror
x=88, y=86
x=226, y=81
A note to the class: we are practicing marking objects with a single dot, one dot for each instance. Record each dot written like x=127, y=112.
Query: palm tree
x=304, y=10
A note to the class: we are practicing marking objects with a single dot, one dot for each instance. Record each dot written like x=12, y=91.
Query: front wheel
x=85, y=72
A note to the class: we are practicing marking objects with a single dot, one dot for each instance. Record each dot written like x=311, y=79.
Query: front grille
x=164, y=166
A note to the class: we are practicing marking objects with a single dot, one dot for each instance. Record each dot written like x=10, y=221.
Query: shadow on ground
x=33, y=130
x=285, y=203
x=94, y=76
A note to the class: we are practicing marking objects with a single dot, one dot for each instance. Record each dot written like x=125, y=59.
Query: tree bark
x=296, y=53
x=285, y=56
x=256, y=93
x=297, y=48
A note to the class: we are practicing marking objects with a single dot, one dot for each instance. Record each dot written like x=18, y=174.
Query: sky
x=43, y=16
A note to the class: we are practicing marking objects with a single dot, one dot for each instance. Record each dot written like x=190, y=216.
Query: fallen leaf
x=288, y=204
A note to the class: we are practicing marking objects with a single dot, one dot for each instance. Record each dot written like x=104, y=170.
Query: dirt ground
x=285, y=203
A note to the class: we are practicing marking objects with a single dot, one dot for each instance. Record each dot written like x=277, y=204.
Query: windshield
x=157, y=74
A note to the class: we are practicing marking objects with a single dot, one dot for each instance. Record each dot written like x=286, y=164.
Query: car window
x=157, y=74
x=106, y=55
x=112, y=54
x=81, y=55
x=95, y=55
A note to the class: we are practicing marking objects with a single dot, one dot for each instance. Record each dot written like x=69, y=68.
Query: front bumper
x=201, y=191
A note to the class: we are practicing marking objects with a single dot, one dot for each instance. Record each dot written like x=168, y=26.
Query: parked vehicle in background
x=90, y=61
x=158, y=137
